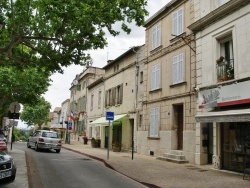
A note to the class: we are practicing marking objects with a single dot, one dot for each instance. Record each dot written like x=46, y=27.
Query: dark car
x=7, y=168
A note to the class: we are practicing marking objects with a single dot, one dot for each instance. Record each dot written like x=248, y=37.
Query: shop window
x=235, y=138
x=225, y=63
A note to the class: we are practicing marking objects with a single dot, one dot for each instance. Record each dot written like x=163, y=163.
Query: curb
x=111, y=167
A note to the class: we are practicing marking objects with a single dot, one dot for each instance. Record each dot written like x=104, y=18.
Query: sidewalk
x=21, y=180
x=156, y=173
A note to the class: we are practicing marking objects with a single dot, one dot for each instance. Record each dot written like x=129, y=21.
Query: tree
x=22, y=85
x=54, y=34
x=36, y=114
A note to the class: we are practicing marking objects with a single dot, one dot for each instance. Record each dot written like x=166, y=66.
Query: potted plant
x=116, y=146
x=98, y=142
x=93, y=143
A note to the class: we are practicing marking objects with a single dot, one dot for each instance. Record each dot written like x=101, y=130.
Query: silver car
x=43, y=139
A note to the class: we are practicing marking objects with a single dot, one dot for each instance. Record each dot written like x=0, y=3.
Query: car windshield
x=49, y=135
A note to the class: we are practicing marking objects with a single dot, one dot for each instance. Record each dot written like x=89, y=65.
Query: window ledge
x=156, y=49
x=155, y=90
x=178, y=84
x=175, y=38
x=153, y=138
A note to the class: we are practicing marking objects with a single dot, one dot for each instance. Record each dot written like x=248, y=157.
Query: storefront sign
x=236, y=93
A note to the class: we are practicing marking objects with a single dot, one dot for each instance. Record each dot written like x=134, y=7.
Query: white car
x=43, y=139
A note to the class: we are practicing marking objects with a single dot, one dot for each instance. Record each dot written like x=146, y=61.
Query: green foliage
x=36, y=114
x=20, y=134
x=54, y=34
x=22, y=85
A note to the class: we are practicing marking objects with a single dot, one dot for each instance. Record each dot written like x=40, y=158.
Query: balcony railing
x=225, y=70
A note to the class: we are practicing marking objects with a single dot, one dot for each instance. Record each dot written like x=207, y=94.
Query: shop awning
x=241, y=115
x=103, y=122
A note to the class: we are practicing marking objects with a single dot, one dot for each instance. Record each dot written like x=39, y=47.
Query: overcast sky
x=59, y=89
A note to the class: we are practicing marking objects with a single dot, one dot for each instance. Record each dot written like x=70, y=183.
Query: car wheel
x=36, y=147
x=58, y=150
x=28, y=144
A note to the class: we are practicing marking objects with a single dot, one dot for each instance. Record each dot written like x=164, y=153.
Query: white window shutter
x=174, y=24
x=152, y=121
x=180, y=68
x=174, y=71
x=154, y=38
x=153, y=78
x=157, y=121
x=158, y=35
x=180, y=21
x=157, y=76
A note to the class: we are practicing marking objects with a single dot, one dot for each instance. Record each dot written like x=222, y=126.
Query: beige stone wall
x=169, y=95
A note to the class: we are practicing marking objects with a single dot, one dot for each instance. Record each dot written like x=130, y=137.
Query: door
x=106, y=137
x=179, y=121
x=210, y=143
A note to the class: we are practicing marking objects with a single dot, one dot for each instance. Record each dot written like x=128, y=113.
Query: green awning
x=103, y=122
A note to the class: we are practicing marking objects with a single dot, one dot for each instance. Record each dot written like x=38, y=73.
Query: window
x=140, y=120
x=99, y=99
x=178, y=69
x=92, y=101
x=141, y=76
x=84, y=103
x=83, y=85
x=155, y=77
x=154, y=122
x=177, y=22
x=119, y=96
x=114, y=96
x=225, y=63
x=156, y=40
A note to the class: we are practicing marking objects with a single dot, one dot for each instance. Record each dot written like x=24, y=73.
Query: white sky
x=59, y=89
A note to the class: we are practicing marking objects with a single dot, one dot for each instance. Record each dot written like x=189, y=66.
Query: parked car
x=3, y=146
x=3, y=138
x=44, y=139
x=7, y=168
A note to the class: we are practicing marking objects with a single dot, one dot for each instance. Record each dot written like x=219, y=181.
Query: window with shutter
x=177, y=72
x=156, y=36
x=154, y=122
x=155, y=77
x=99, y=99
x=177, y=22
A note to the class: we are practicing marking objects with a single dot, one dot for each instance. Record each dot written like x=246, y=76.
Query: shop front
x=223, y=123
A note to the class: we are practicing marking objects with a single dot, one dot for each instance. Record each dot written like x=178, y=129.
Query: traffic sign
x=109, y=115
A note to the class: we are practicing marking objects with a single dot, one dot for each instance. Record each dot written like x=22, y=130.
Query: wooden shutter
x=121, y=94
x=106, y=98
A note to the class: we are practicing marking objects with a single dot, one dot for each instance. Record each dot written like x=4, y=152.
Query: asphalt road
x=48, y=169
